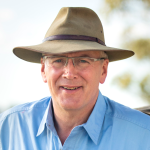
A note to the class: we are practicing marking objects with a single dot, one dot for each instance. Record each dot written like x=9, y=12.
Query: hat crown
x=76, y=21
x=63, y=37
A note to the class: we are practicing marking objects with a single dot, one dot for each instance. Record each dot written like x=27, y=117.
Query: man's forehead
x=81, y=53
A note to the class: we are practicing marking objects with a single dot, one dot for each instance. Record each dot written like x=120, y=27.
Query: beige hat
x=74, y=29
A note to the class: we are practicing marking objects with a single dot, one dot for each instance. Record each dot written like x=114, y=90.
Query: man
x=74, y=60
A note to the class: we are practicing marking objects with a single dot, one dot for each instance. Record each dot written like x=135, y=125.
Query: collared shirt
x=111, y=126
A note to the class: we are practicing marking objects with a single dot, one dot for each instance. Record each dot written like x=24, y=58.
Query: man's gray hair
x=103, y=54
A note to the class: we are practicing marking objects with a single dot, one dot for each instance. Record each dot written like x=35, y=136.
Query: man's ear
x=43, y=71
x=104, y=71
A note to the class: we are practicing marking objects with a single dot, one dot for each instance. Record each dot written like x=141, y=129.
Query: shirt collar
x=94, y=124
x=47, y=119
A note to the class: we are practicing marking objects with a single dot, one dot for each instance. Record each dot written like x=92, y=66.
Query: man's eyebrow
x=83, y=55
x=55, y=55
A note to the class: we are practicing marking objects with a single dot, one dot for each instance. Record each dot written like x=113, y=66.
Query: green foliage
x=126, y=81
x=123, y=81
x=132, y=13
x=141, y=47
x=145, y=87
x=147, y=3
x=114, y=4
x=125, y=5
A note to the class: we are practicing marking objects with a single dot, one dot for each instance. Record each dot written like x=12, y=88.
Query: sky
x=24, y=23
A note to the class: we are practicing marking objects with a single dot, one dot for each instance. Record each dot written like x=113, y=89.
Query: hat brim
x=34, y=53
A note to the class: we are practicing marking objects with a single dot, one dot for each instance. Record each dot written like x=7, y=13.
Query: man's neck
x=65, y=121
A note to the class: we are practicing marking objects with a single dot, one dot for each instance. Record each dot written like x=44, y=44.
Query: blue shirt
x=111, y=126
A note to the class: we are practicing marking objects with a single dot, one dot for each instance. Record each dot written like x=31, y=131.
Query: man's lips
x=70, y=88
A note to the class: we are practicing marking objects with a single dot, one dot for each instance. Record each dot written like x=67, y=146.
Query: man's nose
x=70, y=72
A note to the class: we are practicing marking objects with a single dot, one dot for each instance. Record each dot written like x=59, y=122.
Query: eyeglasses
x=59, y=62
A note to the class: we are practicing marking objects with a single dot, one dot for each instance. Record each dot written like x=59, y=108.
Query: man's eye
x=84, y=61
x=57, y=61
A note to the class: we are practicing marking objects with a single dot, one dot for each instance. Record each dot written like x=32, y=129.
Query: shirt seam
x=126, y=119
x=16, y=111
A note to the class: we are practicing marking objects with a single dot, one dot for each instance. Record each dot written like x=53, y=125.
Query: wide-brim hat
x=74, y=29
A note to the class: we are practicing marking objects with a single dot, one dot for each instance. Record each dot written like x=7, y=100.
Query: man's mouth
x=70, y=88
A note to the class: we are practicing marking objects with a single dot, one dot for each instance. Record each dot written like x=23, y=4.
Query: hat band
x=74, y=37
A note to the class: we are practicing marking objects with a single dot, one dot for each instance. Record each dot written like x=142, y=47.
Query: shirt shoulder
x=25, y=107
x=119, y=111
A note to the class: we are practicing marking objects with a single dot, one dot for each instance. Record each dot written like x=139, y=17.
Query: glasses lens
x=82, y=63
x=57, y=62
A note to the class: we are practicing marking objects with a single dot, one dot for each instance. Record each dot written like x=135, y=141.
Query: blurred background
x=126, y=25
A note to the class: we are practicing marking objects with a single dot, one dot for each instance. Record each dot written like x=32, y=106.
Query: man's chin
x=69, y=103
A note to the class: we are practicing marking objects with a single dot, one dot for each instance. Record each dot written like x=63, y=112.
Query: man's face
x=74, y=89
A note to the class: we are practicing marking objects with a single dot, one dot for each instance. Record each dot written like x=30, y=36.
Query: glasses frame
x=72, y=58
